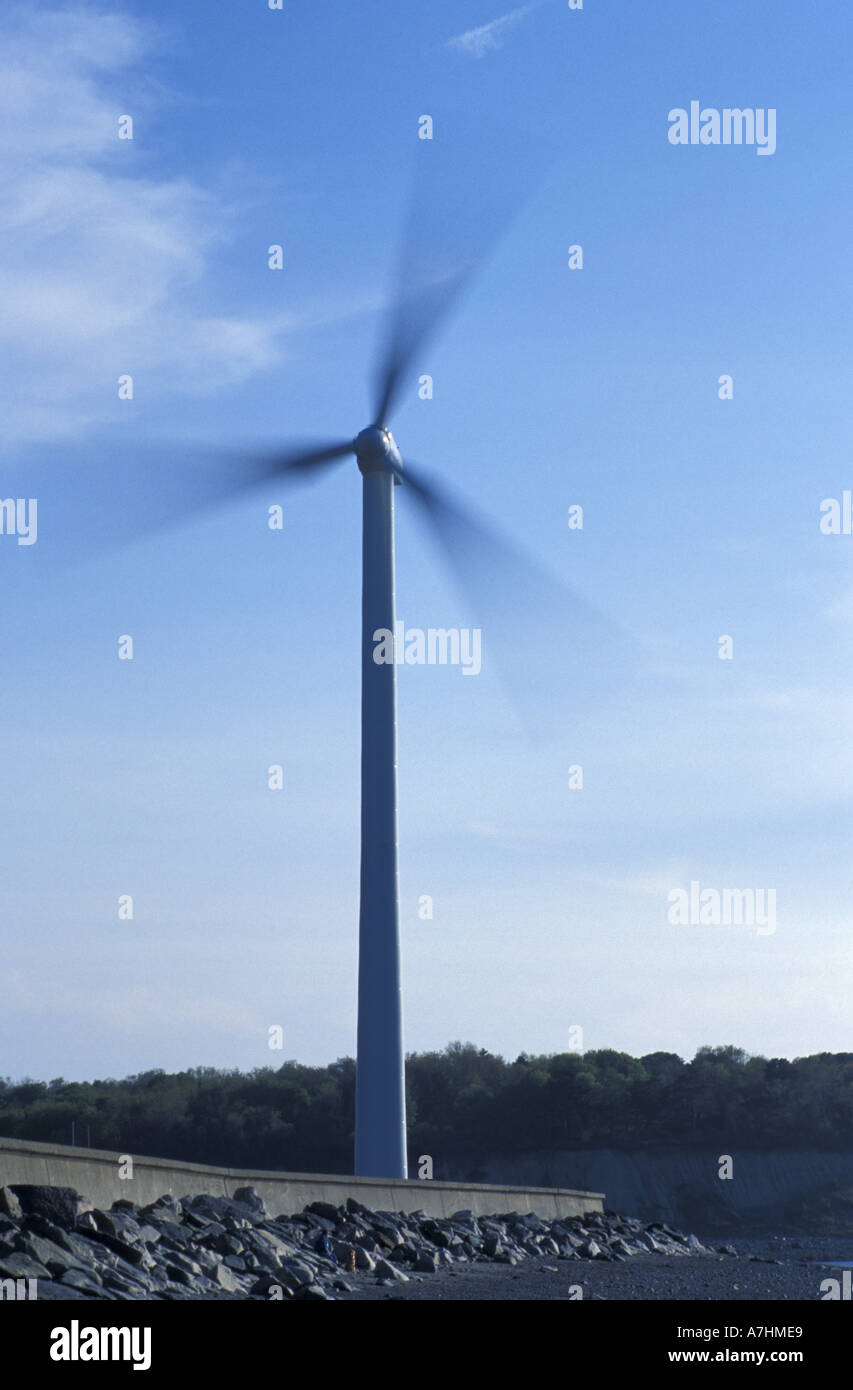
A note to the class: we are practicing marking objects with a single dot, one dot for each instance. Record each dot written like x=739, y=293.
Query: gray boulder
x=55, y=1259
x=21, y=1266
x=49, y=1291
x=225, y=1279
x=55, y=1204
x=9, y=1203
x=248, y=1197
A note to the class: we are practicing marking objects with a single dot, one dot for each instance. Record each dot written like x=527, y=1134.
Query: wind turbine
x=380, y=1103
x=455, y=215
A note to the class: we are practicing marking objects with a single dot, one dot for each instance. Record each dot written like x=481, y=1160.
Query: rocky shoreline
x=206, y=1247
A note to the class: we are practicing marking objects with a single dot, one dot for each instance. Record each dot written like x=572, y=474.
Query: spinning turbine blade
x=470, y=182
x=536, y=627
x=298, y=462
x=89, y=506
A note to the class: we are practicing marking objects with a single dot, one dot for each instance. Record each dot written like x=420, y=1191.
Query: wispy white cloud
x=130, y=1009
x=476, y=43
x=518, y=834
x=102, y=262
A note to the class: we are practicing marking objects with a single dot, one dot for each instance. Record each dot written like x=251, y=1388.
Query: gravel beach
x=749, y=1278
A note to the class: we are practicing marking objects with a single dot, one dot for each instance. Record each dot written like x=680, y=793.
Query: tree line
x=463, y=1103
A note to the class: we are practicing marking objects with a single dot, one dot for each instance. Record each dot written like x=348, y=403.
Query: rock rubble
x=206, y=1247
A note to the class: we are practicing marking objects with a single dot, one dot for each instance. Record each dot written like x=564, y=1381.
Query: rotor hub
x=376, y=451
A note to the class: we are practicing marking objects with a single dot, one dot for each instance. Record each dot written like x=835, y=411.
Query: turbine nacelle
x=377, y=452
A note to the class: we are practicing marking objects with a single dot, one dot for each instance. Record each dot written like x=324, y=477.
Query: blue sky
x=553, y=387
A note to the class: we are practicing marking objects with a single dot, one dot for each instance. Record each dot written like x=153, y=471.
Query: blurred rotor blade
x=303, y=460
x=96, y=499
x=554, y=650
x=471, y=179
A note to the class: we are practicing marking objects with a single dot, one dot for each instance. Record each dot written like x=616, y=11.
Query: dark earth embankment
x=791, y=1192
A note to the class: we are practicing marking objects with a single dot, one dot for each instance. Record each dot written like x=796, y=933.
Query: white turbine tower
x=380, y=1100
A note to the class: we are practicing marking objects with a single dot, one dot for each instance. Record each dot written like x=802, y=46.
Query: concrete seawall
x=95, y=1175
